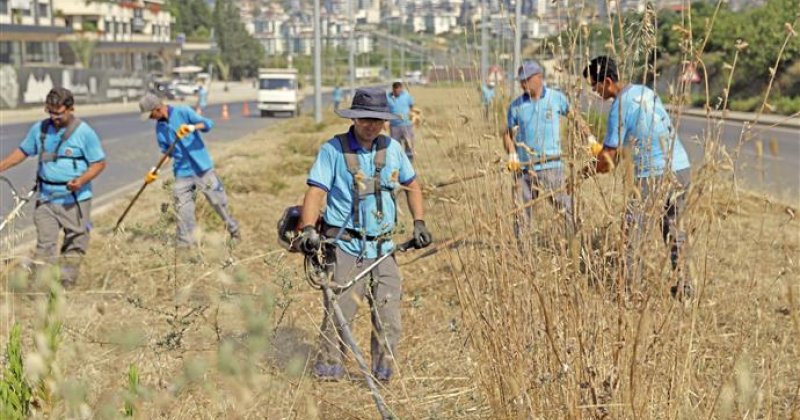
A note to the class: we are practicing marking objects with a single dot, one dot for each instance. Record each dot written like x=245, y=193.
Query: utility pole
x=484, y=40
x=317, y=65
x=517, y=37
x=351, y=59
x=402, y=40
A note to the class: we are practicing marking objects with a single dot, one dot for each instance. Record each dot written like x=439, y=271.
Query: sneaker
x=383, y=374
x=682, y=295
x=326, y=372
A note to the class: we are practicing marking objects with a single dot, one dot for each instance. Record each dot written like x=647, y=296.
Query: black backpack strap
x=70, y=129
x=351, y=159
x=52, y=157
x=380, y=162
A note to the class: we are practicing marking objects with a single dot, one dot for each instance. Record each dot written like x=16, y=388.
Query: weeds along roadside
x=553, y=340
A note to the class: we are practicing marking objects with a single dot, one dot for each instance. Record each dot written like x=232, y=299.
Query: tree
x=238, y=49
x=83, y=48
x=192, y=17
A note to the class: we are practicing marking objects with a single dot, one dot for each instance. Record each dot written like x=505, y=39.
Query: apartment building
x=29, y=33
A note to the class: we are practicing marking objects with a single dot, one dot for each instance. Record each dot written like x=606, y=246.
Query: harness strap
x=46, y=157
x=354, y=168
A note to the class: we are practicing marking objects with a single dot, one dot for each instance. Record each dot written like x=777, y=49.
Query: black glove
x=309, y=241
x=422, y=237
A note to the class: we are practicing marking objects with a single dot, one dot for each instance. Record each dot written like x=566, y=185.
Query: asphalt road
x=776, y=171
x=130, y=148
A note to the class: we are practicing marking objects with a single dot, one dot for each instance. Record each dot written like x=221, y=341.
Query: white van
x=278, y=91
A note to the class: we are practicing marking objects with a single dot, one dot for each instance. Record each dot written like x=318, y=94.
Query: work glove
x=594, y=147
x=186, y=129
x=513, y=164
x=309, y=240
x=151, y=176
x=422, y=237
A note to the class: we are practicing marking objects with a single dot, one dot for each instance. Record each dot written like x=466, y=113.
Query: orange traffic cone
x=246, y=109
x=225, y=116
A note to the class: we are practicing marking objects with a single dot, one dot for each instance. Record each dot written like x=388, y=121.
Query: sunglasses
x=55, y=114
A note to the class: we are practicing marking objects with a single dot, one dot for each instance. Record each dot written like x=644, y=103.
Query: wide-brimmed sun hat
x=369, y=103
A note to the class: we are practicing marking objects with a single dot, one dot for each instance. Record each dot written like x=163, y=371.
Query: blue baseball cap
x=528, y=69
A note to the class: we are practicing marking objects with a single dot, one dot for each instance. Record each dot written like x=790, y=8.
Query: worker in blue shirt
x=487, y=98
x=639, y=125
x=402, y=129
x=70, y=156
x=337, y=97
x=534, y=154
x=354, y=178
x=191, y=164
x=202, y=98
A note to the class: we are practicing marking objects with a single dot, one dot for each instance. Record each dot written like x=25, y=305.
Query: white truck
x=278, y=91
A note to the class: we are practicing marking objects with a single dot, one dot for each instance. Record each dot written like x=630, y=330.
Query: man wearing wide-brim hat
x=356, y=175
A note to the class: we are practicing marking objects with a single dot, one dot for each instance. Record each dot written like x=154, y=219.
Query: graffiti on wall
x=27, y=86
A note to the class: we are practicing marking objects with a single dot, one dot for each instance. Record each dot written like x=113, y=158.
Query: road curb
x=771, y=120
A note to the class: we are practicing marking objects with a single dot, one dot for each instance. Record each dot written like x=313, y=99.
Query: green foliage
x=786, y=106
x=745, y=105
x=192, y=17
x=133, y=390
x=763, y=28
x=83, y=48
x=15, y=393
x=243, y=53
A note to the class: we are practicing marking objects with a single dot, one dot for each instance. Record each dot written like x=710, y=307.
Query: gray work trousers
x=185, y=193
x=382, y=289
x=405, y=135
x=532, y=184
x=667, y=195
x=50, y=219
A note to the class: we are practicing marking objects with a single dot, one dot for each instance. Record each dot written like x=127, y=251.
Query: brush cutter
x=151, y=176
x=19, y=201
x=319, y=278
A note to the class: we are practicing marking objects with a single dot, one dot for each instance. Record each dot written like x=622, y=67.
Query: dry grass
x=489, y=332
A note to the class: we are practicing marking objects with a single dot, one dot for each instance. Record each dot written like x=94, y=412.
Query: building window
x=43, y=10
x=9, y=53
x=41, y=52
x=3, y=7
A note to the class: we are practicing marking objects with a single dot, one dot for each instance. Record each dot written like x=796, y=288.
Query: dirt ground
x=489, y=331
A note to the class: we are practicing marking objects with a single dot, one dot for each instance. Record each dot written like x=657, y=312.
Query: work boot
x=326, y=372
x=684, y=293
x=383, y=374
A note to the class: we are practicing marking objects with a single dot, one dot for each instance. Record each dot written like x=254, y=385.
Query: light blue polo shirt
x=637, y=119
x=337, y=94
x=487, y=95
x=190, y=156
x=539, y=126
x=401, y=106
x=329, y=173
x=202, y=97
x=83, y=142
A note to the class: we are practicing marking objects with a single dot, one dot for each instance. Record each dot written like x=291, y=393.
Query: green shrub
x=15, y=393
x=745, y=105
x=786, y=106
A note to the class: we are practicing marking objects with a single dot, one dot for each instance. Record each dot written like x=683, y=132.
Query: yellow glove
x=594, y=147
x=185, y=130
x=513, y=164
x=151, y=176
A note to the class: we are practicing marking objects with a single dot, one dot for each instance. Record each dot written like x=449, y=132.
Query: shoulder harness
x=46, y=157
x=360, y=191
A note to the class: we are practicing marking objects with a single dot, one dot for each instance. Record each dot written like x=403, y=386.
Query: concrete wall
x=28, y=86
